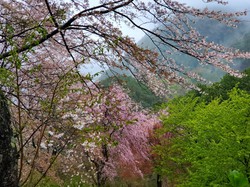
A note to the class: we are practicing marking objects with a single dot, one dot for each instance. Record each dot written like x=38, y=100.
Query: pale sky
x=236, y=5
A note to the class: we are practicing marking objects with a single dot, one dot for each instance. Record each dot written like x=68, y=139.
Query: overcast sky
x=236, y=5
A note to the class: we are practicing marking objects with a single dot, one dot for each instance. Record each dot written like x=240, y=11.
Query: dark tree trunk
x=100, y=179
x=8, y=153
x=159, y=182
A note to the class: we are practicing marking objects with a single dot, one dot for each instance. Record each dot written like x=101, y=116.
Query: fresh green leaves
x=139, y=92
x=208, y=140
x=237, y=179
x=6, y=77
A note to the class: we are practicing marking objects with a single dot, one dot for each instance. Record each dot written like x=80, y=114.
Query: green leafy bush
x=208, y=140
x=237, y=179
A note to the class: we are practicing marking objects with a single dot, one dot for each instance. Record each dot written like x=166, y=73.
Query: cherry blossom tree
x=117, y=138
x=37, y=114
x=89, y=33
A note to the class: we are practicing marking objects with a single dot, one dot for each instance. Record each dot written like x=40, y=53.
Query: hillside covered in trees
x=208, y=136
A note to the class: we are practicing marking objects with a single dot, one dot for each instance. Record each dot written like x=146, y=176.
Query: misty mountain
x=215, y=32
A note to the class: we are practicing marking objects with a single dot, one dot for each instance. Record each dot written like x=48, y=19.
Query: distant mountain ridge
x=214, y=31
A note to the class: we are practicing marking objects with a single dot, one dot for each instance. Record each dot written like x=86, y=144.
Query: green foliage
x=209, y=140
x=237, y=179
x=221, y=89
x=45, y=182
x=139, y=92
x=6, y=77
x=76, y=181
x=146, y=181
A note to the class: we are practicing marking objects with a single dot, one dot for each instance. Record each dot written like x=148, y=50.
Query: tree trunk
x=8, y=152
x=159, y=182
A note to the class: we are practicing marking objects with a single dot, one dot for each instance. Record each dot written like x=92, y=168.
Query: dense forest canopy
x=70, y=130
